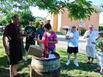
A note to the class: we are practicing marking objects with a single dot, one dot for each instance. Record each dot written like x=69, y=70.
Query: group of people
x=13, y=42
x=92, y=36
x=14, y=45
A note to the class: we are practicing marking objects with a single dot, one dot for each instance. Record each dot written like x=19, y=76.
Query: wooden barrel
x=46, y=67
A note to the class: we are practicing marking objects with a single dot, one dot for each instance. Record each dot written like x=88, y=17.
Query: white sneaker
x=68, y=62
x=76, y=62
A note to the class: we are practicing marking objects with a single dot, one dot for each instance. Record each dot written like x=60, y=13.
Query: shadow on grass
x=82, y=67
x=24, y=69
x=4, y=71
x=24, y=64
x=4, y=67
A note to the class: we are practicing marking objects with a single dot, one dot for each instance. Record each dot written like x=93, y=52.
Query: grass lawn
x=85, y=70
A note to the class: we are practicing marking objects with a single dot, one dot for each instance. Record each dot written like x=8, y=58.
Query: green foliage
x=3, y=22
x=100, y=28
x=25, y=17
x=37, y=23
x=78, y=9
x=83, y=31
x=59, y=33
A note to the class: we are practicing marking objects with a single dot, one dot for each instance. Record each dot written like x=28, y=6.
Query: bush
x=59, y=33
x=100, y=28
x=82, y=31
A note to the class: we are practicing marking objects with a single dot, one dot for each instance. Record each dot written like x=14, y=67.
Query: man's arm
x=5, y=44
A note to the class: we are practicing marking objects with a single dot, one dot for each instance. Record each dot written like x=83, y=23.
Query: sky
x=43, y=13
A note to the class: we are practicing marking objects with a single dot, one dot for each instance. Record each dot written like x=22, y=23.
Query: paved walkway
x=62, y=43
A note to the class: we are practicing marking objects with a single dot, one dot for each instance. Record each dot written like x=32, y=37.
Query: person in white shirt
x=99, y=54
x=90, y=36
x=99, y=57
x=72, y=38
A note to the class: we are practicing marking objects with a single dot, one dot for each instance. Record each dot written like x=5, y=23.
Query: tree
x=78, y=9
x=26, y=15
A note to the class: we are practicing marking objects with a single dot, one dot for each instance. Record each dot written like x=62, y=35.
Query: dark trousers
x=28, y=43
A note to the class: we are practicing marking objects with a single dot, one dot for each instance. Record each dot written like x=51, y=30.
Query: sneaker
x=101, y=71
x=68, y=62
x=76, y=62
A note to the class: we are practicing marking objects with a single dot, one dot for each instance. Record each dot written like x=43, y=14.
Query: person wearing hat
x=90, y=36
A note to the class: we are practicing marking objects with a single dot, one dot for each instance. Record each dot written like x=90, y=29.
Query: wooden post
x=55, y=22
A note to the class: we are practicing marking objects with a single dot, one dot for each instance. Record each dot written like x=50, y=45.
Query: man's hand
x=93, y=43
x=88, y=36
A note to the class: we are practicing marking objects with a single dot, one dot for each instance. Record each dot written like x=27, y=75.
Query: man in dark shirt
x=13, y=44
x=30, y=32
x=40, y=31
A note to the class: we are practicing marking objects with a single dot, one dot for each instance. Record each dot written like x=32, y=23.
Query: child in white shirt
x=99, y=57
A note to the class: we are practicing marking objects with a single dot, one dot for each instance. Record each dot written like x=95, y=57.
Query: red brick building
x=61, y=20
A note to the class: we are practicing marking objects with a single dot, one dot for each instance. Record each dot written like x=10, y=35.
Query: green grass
x=85, y=70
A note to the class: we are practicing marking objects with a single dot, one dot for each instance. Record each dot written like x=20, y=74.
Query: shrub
x=59, y=33
x=100, y=28
x=82, y=31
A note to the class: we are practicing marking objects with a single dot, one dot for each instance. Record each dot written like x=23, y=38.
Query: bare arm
x=5, y=44
x=53, y=42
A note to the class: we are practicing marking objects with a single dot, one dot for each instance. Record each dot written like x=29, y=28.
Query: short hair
x=15, y=16
x=48, y=26
x=73, y=26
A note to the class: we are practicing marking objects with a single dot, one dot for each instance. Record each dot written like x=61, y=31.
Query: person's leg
x=91, y=61
x=69, y=53
x=13, y=70
x=75, y=50
x=75, y=59
x=27, y=45
x=68, y=59
x=88, y=53
x=68, y=56
x=101, y=70
x=26, y=49
x=10, y=72
x=75, y=56
x=93, y=51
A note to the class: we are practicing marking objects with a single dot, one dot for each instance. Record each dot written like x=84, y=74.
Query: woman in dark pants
x=13, y=34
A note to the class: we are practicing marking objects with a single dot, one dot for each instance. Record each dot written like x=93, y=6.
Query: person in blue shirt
x=72, y=37
x=40, y=31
